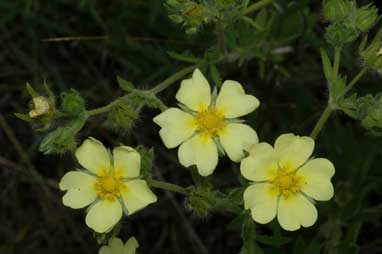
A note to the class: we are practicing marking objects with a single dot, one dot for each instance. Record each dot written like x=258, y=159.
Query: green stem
x=321, y=122
x=172, y=79
x=167, y=186
x=355, y=80
x=257, y=6
x=103, y=109
x=336, y=66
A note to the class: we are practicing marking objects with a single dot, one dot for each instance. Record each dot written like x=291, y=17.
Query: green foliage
x=72, y=104
x=147, y=159
x=367, y=109
x=58, y=141
x=348, y=21
x=372, y=54
x=122, y=115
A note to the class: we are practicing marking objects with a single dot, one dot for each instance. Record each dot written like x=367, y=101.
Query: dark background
x=135, y=36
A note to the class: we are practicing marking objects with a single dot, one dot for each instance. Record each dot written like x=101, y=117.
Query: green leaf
x=272, y=240
x=248, y=235
x=147, y=159
x=31, y=91
x=215, y=75
x=184, y=58
x=125, y=85
x=23, y=117
x=327, y=65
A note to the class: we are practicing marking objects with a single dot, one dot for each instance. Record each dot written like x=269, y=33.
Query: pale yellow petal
x=103, y=215
x=115, y=246
x=296, y=211
x=80, y=189
x=262, y=201
x=236, y=138
x=200, y=151
x=177, y=126
x=260, y=164
x=317, y=174
x=93, y=156
x=127, y=161
x=233, y=101
x=137, y=196
x=293, y=150
x=131, y=245
x=195, y=93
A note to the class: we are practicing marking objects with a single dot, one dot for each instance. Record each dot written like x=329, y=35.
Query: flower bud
x=58, y=141
x=40, y=107
x=336, y=9
x=372, y=55
x=366, y=17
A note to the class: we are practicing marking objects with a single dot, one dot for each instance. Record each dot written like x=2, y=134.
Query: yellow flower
x=116, y=246
x=286, y=182
x=208, y=123
x=110, y=184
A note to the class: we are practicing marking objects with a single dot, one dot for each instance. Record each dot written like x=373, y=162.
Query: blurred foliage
x=80, y=47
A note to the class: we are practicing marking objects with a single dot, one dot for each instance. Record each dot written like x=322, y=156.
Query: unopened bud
x=40, y=107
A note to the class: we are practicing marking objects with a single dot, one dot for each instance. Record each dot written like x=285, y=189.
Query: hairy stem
x=172, y=79
x=257, y=6
x=321, y=122
x=167, y=186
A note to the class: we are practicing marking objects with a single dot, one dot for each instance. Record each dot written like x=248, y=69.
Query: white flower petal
x=237, y=137
x=200, y=151
x=294, y=150
x=80, y=189
x=233, y=101
x=262, y=202
x=177, y=126
x=296, y=211
x=137, y=196
x=317, y=174
x=103, y=215
x=260, y=164
x=131, y=245
x=93, y=156
x=195, y=93
x=127, y=161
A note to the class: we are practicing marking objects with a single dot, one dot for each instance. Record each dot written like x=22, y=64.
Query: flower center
x=210, y=121
x=109, y=186
x=286, y=183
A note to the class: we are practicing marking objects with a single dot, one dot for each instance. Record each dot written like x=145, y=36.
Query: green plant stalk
x=172, y=79
x=329, y=109
x=103, y=109
x=257, y=6
x=167, y=186
x=355, y=80
x=321, y=122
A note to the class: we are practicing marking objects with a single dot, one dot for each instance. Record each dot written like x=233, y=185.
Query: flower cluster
x=284, y=179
